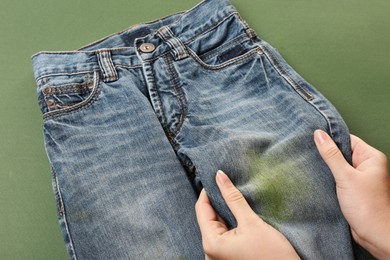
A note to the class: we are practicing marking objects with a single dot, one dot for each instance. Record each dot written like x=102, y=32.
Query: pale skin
x=363, y=191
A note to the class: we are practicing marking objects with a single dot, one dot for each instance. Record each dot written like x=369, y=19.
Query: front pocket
x=69, y=96
x=244, y=56
x=224, y=44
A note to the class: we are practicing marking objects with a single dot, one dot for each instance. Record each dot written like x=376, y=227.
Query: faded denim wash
x=137, y=123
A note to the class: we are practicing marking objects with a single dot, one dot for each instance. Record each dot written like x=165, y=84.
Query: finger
x=209, y=222
x=331, y=155
x=199, y=207
x=362, y=152
x=233, y=198
x=359, y=151
x=355, y=142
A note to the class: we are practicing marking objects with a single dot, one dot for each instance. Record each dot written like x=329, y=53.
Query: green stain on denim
x=277, y=183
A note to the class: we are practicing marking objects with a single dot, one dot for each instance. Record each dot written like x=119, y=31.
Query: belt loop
x=175, y=43
x=106, y=65
x=249, y=31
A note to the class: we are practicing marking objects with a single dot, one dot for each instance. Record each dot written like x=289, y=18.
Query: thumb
x=331, y=155
x=234, y=198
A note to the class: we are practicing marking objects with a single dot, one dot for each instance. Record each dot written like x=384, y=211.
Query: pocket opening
x=239, y=59
x=62, y=98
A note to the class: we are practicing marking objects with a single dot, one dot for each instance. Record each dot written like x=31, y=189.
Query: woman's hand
x=251, y=239
x=363, y=191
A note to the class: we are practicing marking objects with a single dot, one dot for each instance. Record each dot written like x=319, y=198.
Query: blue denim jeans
x=137, y=123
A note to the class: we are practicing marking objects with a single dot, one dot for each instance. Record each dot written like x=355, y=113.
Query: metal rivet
x=47, y=90
x=147, y=47
x=50, y=102
x=90, y=86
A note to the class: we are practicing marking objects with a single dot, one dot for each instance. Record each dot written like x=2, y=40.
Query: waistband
x=120, y=49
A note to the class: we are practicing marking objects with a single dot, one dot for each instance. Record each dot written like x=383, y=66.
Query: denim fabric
x=133, y=134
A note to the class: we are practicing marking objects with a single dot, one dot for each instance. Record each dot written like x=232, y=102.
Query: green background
x=340, y=46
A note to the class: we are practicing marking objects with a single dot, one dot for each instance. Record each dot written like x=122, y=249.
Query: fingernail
x=320, y=136
x=222, y=178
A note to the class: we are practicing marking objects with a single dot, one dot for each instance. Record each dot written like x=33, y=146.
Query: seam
x=108, y=60
x=57, y=193
x=80, y=106
x=111, y=67
x=179, y=94
x=128, y=67
x=62, y=212
x=242, y=58
x=296, y=86
x=63, y=74
x=91, y=52
x=83, y=72
x=158, y=106
x=292, y=82
x=101, y=65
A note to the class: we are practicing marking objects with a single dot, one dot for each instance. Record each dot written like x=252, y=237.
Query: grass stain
x=278, y=184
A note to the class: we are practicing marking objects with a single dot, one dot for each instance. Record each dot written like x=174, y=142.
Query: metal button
x=147, y=47
x=50, y=102
x=47, y=90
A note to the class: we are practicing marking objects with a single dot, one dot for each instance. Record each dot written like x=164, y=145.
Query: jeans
x=137, y=123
